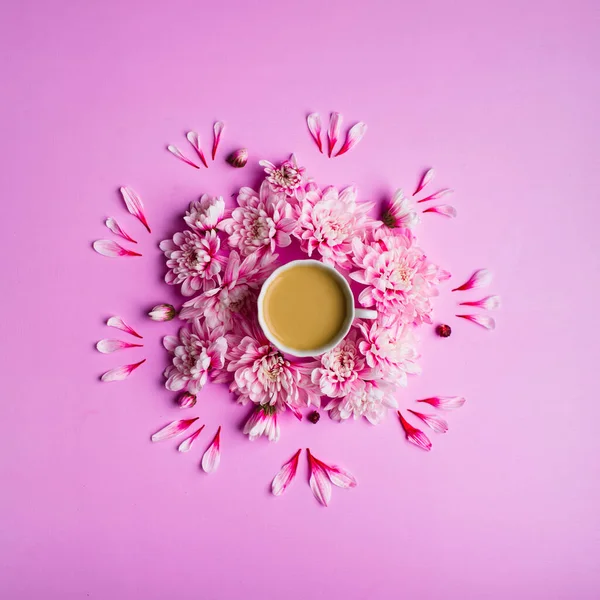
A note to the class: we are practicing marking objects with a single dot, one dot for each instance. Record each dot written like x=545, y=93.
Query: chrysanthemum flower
x=205, y=213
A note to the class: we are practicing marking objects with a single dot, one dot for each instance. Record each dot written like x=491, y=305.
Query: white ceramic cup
x=351, y=312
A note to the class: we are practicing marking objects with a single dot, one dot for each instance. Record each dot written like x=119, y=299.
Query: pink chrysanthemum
x=329, y=221
x=342, y=368
x=260, y=222
x=390, y=349
x=287, y=178
x=205, y=213
x=196, y=353
x=192, y=260
x=400, y=280
x=235, y=296
x=368, y=399
x=399, y=213
x=263, y=421
x=261, y=374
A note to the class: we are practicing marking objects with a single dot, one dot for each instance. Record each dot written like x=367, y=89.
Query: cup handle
x=364, y=313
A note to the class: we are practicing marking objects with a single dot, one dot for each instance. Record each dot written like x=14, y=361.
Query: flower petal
x=173, y=429
x=341, y=477
x=314, y=126
x=335, y=124
x=285, y=475
x=112, y=249
x=413, y=435
x=481, y=320
x=134, y=205
x=212, y=456
x=186, y=445
x=175, y=151
x=425, y=179
x=194, y=139
x=218, y=128
x=436, y=423
x=112, y=224
x=481, y=278
x=354, y=135
x=120, y=373
x=436, y=195
x=444, y=402
x=118, y=323
x=487, y=303
x=319, y=482
x=443, y=209
x=108, y=346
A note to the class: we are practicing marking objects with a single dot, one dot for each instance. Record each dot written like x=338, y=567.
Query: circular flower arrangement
x=221, y=258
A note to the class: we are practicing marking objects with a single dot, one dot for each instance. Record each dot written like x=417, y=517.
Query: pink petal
x=186, y=445
x=354, y=135
x=481, y=278
x=117, y=230
x=314, y=126
x=173, y=429
x=285, y=475
x=436, y=195
x=444, y=402
x=341, y=477
x=481, y=320
x=108, y=346
x=135, y=205
x=436, y=423
x=443, y=209
x=175, y=151
x=413, y=435
x=425, y=179
x=118, y=323
x=487, y=303
x=335, y=124
x=212, y=456
x=319, y=482
x=194, y=139
x=120, y=373
x=218, y=128
x=112, y=249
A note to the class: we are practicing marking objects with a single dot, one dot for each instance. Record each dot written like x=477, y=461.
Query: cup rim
x=294, y=351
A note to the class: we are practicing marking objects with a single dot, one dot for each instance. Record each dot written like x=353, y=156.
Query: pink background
x=502, y=98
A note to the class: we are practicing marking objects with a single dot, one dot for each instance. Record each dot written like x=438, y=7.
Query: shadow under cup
x=305, y=308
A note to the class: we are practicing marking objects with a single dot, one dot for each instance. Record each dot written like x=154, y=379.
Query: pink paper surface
x=502, y=98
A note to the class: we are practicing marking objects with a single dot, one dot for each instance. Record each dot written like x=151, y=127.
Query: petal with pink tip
x=487, y=303
x=112, y=249
x=212, y=456
x=194, y=139
x=444, y=402
x=134, y=205
x=436, y=195
x=108, y=346
x=481, y=278
x=285, y=475
x=443, y=209
x=413, y=435
x=482, y=320
x=186, y=445
x=425, y=179
x=436, y=423
x=314, y=126
x=112, y=224
x=341, y=477
x=354, y=135
x=319, y=482
x=121, y=373
x=118, y=323
x=218, y=128
x=173, y=429
x=175, y=151
x=333, y=133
